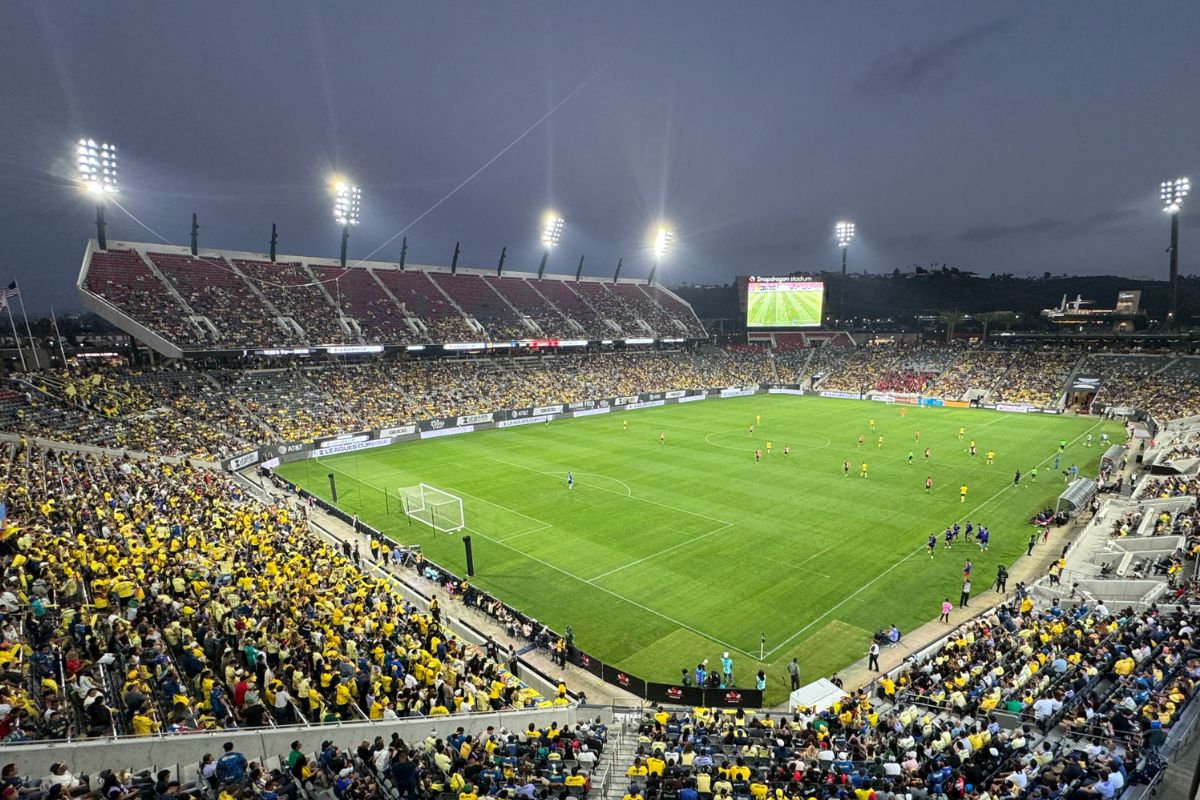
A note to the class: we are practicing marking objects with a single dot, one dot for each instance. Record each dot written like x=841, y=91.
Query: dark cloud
x=914, y=68
x=1047, y=226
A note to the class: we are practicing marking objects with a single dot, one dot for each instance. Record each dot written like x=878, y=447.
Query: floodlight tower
x=1173, y=194
x=552, y=225
x=663, y=237
x=844, y=231
x=347, y=201
x=97, y=167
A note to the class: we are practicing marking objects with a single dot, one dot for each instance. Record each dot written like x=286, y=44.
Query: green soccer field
x=666, y=554
x=784, y=309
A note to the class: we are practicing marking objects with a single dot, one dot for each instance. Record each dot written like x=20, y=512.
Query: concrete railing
x=163, y=751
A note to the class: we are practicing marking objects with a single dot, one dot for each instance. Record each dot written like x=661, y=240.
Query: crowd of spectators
x=1088, y=697
x=1164, y=386
x=1036, y=377
x=143, y=597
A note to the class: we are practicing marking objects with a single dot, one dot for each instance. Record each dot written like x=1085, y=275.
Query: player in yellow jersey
x=758, y=419
x=991, y=456
x=872, y=424
x=862, y=471
x=962, y=493
x=880, y=444
x=961, y=431
x=768, y=447
x=624, y=424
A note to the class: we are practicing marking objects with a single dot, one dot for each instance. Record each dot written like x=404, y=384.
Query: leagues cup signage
x=475, y=419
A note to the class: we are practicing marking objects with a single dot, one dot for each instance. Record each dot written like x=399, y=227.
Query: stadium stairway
x=618, y=756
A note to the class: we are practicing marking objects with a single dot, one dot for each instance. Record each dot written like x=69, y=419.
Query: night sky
x=996, y=137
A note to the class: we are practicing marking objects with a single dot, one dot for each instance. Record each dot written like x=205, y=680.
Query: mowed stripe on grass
x=694, y=535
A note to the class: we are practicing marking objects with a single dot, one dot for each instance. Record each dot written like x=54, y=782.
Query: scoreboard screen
x=784, y=302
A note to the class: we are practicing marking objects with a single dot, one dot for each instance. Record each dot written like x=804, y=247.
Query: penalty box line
x=619, y=596
x=541, y=524
x=618, y=494
x=887, y=571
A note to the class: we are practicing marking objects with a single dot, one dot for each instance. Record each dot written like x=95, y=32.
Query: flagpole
x=13, y=322
x=58, y=336
x=32, y=345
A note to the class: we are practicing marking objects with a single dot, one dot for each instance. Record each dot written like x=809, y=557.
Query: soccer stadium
x=377, y=424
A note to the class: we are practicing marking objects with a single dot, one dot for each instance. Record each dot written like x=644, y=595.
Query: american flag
x=8, y=293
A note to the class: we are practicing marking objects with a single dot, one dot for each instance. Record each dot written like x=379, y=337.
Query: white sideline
x=874, y=580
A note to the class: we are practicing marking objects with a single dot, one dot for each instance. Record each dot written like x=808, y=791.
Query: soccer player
x=967, y=569
x=862, y=472
x=910, y=457
x=929, y=484
x=1088, y=443
x=962, y=493
x=1104, y=438
x=1017, y=478
x=758, y=419
x=931, y=545
x=948, y=537
x=624, y=424
x=917, y=436
x=662, y=437
x=757, y=455
x=768, y=447
x=991, y=456
x=846, y=468
x=903, y=411
x=880, y=441
x=860, y=440
x=1057, y=459
x=961, y=431
x=971, y=449
x=872, y=424
x=787, y=450
x=1062, y=445
x=570, y=481
x=926, y=453
x=983, y=539
x=1033, y=475
x=751, y=430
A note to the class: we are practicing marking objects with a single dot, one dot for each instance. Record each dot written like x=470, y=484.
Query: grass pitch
x=666, y=554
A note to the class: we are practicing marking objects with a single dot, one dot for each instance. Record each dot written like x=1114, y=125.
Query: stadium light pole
x=552, y=225
x=662, y=239
x=1173, y=194
x=844, y=231
x=96, y=163
x=347, y=202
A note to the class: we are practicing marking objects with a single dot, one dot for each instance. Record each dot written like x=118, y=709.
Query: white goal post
x=439, y=510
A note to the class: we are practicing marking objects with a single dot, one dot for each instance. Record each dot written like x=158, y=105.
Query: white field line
x=664, y=551
x=887, y=571
x=610, y=491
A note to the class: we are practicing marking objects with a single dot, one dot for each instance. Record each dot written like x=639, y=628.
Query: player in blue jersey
x=570, y=481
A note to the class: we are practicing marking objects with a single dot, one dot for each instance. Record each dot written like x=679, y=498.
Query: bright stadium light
x=844, y=232
x=97, y=166
x=661, y=239
x=552, y=225
x=347, y=202
x=1173, y=194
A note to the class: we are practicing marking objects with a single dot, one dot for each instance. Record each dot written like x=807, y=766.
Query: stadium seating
x=250, y=302
x=122, y=278
x=361, y=297
x=193, y=606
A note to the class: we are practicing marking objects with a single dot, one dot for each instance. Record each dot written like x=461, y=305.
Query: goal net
x=439, y=510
